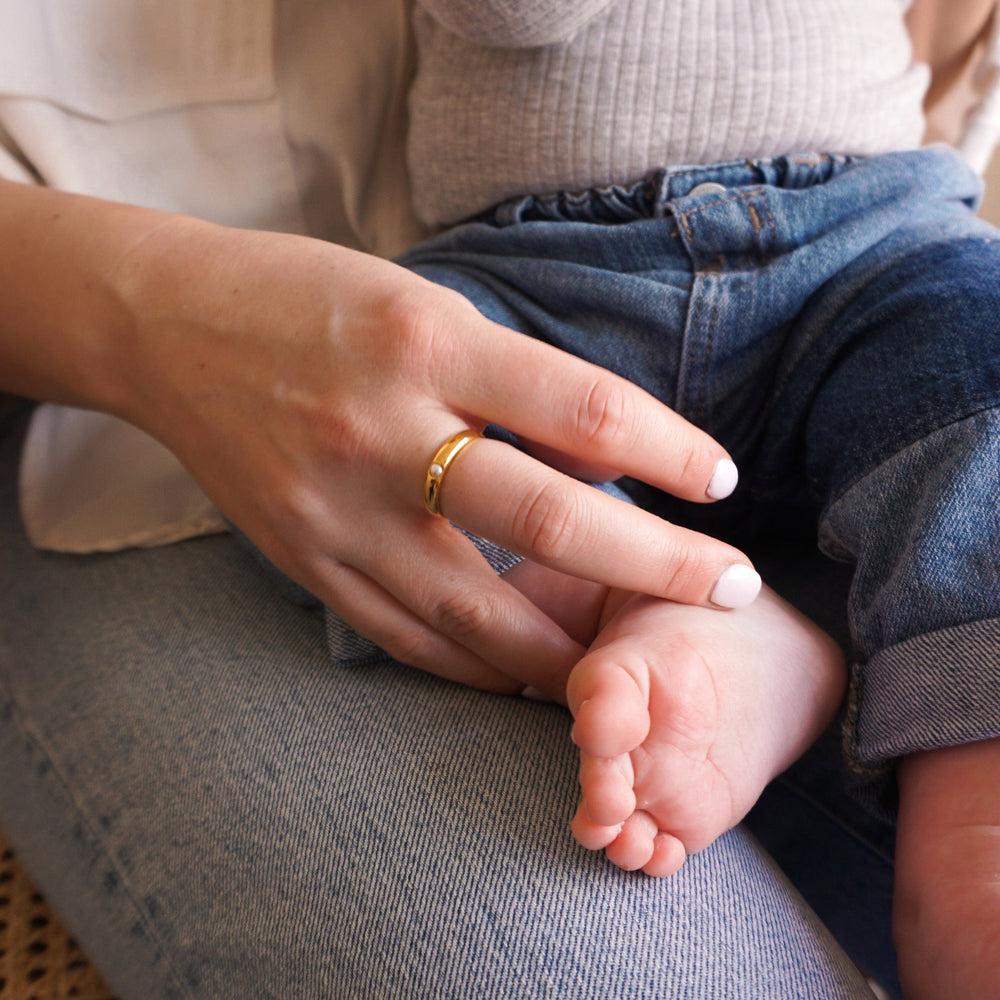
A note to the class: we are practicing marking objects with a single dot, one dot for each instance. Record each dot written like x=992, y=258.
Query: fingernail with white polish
x=738, y=586
x=724, y=480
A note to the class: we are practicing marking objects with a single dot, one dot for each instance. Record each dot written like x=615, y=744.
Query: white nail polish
x=738, y=586
x=724, y=480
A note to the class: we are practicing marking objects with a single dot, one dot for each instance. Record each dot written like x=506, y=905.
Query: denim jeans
x=219, y=812
x=835, y=323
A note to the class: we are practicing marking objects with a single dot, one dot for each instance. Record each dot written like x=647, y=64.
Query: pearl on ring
x=440, y=463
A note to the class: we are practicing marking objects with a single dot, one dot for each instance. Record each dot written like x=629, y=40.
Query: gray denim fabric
x=219, y=812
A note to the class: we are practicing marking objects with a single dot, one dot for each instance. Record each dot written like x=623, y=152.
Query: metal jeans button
x=709, y=187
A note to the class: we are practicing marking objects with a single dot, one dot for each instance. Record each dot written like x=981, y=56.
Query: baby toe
x=668, y=856
x=592, y=835
x=607, y=783
x=608, y=706
x=633, y=847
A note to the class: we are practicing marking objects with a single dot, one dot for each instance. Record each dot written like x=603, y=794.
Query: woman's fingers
x=590, y=415
x=406, y=637
x=496, y=491
x=436, y=595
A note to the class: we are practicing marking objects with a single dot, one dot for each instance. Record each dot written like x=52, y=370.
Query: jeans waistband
x=651, y=197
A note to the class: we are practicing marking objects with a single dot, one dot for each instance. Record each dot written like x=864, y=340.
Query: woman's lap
x=217, y=811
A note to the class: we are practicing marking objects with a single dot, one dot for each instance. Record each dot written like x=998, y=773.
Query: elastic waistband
x=651, y=197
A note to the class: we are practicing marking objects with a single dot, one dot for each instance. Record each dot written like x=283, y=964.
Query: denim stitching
x=86, y=821
x=707, y=357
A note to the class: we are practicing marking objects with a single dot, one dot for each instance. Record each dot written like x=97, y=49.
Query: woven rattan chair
x=38, y=959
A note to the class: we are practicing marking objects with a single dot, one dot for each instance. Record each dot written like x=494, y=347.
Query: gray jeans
x=218, y=812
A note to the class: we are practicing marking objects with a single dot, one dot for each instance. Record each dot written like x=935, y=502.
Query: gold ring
x=439, y=466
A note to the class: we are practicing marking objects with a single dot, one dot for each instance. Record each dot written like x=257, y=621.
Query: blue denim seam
x=89, y=827
x=689, y=367
x=742, y=194
x=828, y=543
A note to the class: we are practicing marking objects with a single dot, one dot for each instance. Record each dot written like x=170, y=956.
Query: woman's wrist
x=64, y=325
x=168, y=283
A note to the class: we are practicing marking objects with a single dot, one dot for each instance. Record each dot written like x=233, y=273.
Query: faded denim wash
x=834, y=323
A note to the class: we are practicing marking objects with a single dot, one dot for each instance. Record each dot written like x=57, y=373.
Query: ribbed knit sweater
x=534, y=96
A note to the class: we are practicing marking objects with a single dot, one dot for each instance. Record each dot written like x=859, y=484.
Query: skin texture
x=946, y=913
x=950, y=37
x=683, y=714
x=944, y=31
x=307, y=387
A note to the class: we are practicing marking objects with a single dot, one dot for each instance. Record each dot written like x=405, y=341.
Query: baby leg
x=904, y=440
x=947, y=860
x=684, y=714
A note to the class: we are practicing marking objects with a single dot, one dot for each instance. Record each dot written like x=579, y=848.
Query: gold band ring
x=439, y=466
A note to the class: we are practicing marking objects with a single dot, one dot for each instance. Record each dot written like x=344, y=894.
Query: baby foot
x=684, y=714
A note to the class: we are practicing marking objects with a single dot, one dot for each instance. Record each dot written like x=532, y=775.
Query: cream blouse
x=269, y=114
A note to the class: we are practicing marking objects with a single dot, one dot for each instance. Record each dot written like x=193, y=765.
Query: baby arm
x=944, y=31
x=951, y=36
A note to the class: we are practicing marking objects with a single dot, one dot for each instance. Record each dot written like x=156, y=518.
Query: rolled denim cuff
x=932, y=691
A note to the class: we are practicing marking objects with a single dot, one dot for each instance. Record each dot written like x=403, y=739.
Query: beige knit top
x=519, y=96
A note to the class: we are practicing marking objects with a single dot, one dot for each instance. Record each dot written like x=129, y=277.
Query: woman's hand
x=307, y=388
